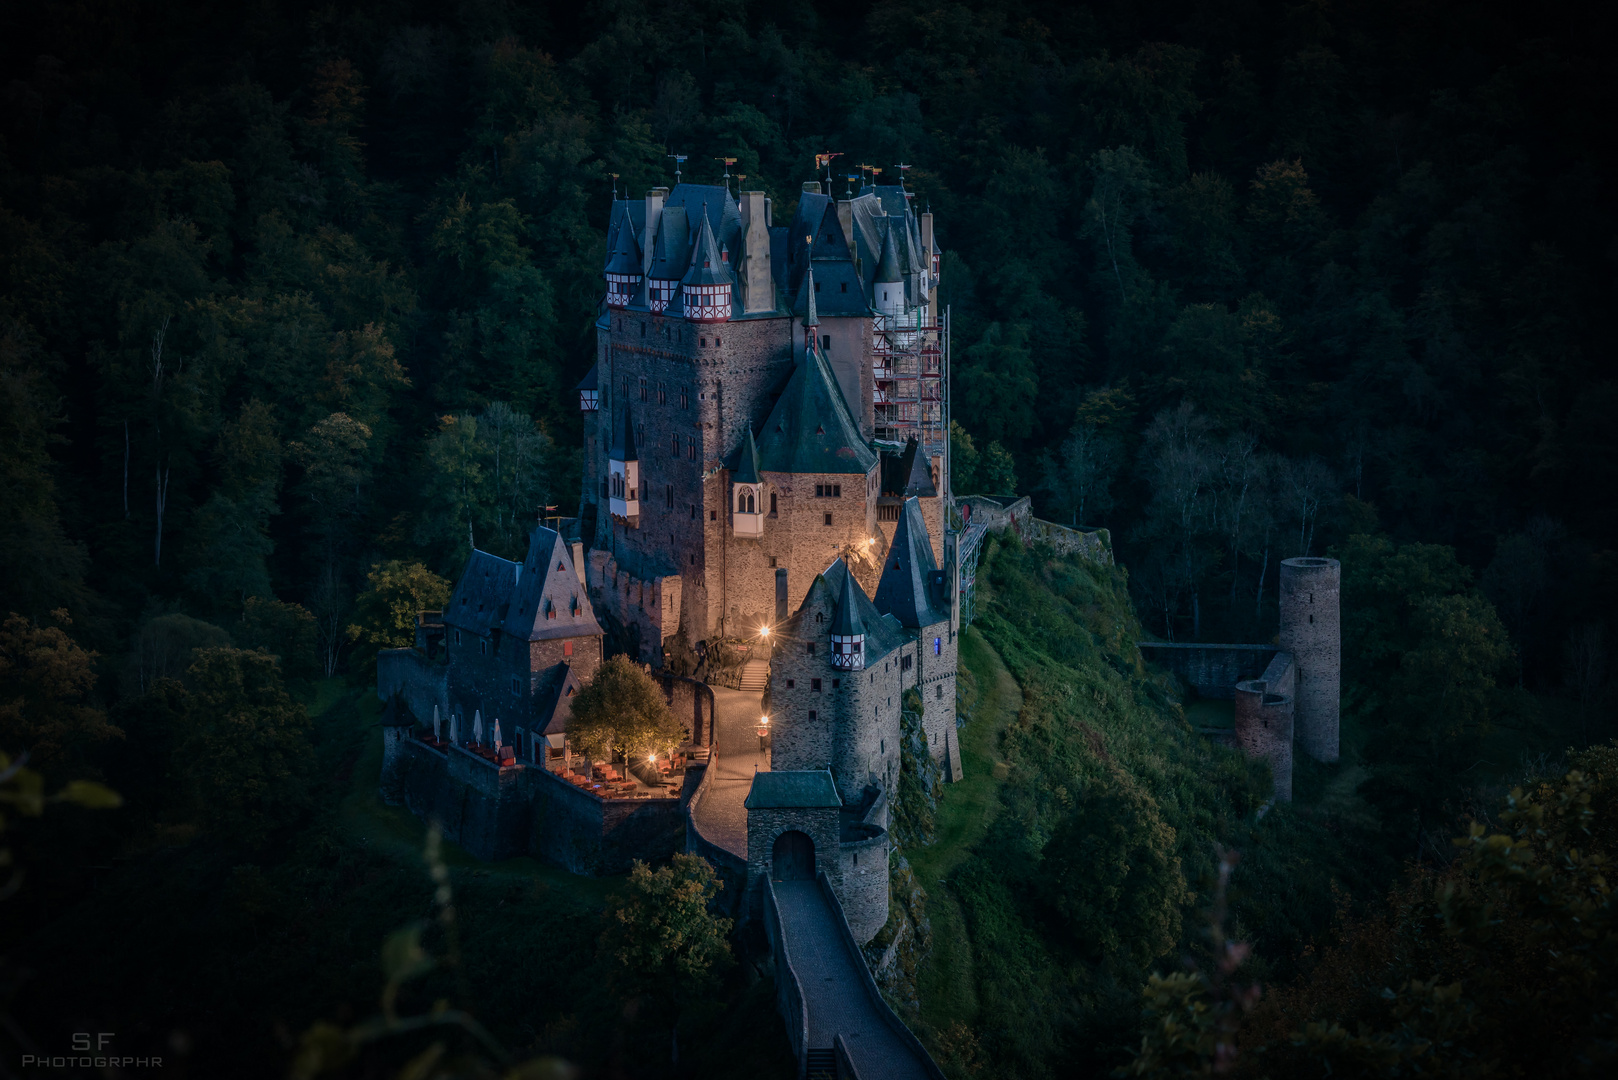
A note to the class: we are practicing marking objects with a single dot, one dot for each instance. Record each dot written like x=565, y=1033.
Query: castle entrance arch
x=794, y=857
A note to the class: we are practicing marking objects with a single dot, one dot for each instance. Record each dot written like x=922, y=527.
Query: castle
x=766, y=464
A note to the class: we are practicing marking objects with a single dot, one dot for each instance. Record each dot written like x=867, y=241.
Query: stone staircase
x=756, y=676
x=822, y=1064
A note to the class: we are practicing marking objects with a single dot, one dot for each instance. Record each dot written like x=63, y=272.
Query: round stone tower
x=1264, y=730
x=1311, y=631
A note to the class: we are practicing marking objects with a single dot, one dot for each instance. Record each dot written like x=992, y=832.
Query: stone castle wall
x=498, y=813
x=864, y=887
x=1264, y=719
x=1211, y=670
x=764, y=826
x=422, y=683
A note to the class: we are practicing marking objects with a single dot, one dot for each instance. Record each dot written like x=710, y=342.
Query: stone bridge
x=837, y=1020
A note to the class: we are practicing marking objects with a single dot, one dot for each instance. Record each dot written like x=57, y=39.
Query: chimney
x=927, y=253
x=578, y=560
x=812, y=187
x=845, y=218
x=753, y=270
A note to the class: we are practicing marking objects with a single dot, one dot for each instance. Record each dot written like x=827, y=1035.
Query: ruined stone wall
x=864, y=889
x=1311, y=631
x=1264, y=721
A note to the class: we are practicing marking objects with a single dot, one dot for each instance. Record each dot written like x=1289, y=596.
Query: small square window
x=772, y=562
x=814, y=686
x=844, y=286
x=828, y=519
x=835, y=683
x=811, y=714
x=940, y=689
x=516, y=686
x=811, y=647
x=693, y=511
x=791, y=683
x=825, y=342
x=713, y=515
x=662, y=394
x=837, y=491
x=938, y=646
x=643, y=389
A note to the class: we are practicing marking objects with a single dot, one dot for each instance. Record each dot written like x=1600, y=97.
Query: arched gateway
x=793, y=858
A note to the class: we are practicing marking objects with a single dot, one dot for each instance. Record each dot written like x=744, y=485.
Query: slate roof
x=887, y=269
x=623, y=241
x=847, y=622
x=623, y=447
x=908, y=473
x=707, y=265
x=746, y=470
x=589, y=380
x=811, y=430
x=671, y=250
x=553, y=699
x=810, y=316
x=793, y=790
x=479, y=600
x=883, y=633
x=549, y=600
x=906, y=589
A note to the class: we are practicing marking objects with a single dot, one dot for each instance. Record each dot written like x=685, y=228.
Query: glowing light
x=764, y=632
x=764, y=719
x=651, y=759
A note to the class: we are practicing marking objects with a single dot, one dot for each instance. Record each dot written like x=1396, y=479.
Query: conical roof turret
x=747, y=471
x=887, y=269
x=707, y=267
x=624, y=257
x=847, y=622
x=628, y=439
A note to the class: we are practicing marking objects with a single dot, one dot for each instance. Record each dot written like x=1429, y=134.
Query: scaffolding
x=909, y=368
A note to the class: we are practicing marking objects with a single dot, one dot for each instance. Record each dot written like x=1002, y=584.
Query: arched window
x=750, y=509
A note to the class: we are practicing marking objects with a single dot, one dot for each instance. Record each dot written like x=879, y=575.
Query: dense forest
x=293, y=297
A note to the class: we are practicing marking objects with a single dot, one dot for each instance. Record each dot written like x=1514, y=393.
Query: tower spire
x=810, y=319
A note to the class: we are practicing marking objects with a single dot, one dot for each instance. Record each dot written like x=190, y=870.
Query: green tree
x=47, y=685
x=622, y=711
x=233, y=526
x=662, y=939
x=385, y=612
x=286, y=631
x=243, y=752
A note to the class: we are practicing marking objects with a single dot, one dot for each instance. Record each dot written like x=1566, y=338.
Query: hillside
x=1080, y=852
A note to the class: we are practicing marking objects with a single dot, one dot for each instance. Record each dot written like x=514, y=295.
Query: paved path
x=833, y=989
x=720, y=815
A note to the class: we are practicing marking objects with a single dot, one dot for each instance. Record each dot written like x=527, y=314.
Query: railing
x=788, y=990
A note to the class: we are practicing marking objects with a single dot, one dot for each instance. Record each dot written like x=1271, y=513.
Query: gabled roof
x=883, y=633
x=793, y=790
x=479, y=600
x=623, y=447
x=918, y=473
x=553, y=699
x=810, y=316
x=623, y=243
x=550, y=601
x=714, y=203
x=589, y=380
x=811, y=430
x=906, y=590
x=840, y=290
x=746, y=470
x=707, y=265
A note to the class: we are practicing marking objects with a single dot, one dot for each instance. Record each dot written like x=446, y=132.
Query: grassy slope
x=948, y=989
x=1065, y=704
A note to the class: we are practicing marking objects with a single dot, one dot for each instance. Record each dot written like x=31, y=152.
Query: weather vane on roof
x=614, y=186
x=850, y=178
x=729, y=161
x=824, y=161
x=679, y=159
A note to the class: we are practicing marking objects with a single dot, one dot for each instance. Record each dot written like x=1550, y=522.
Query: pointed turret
x=908, y=589
x=847, y=628
x=707, y=285
x=623, y=270
x=747, y=490
x=888, y=291
x=623, y=474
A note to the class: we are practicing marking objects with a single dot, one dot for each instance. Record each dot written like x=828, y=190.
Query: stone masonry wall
x=765, y=825
x=1211, y=670
x=864, y=889
x=1311, y=631
x=422, y=683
